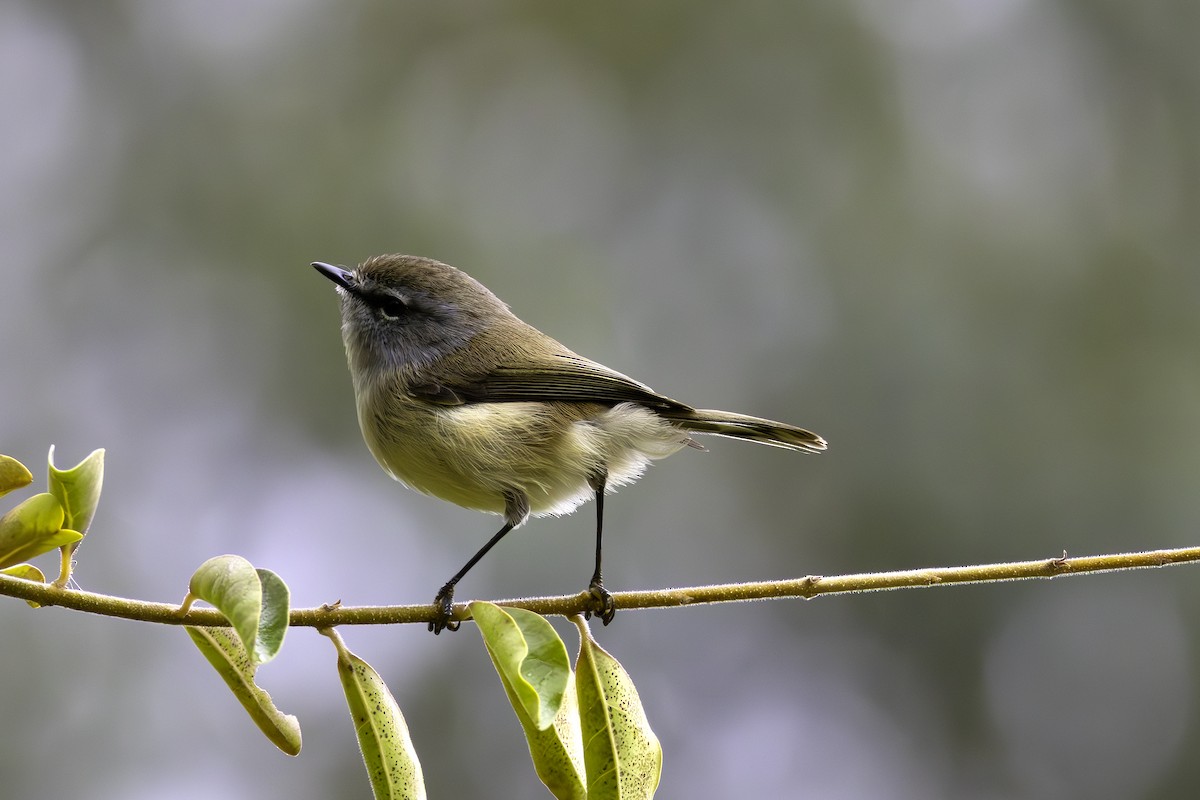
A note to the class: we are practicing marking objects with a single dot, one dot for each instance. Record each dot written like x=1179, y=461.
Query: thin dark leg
x=602, y=603
x=445, y=596
x=597, y=577
x=516, y=510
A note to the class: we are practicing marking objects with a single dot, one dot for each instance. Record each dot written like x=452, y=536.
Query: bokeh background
x=959, y=239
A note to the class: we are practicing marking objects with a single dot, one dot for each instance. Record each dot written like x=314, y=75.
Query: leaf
x=233, y=586
x=557, y=751
x=255, y=601
x=530, y=657
x=32, y=528
x=535, y=670
x=224, y=650
x=622, y=755
x=78, y=489
x=383, y=737
x=13, y=475
x=273, y=623
x=27, y=572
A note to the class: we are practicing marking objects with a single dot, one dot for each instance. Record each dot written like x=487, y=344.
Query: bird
x=460, y=399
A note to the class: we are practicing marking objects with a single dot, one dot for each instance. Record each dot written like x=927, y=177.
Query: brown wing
x=565, y=378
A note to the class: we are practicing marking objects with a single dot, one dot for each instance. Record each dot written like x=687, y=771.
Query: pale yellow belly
x=472, y=455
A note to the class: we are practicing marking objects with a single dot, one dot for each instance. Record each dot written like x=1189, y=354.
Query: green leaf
x=383, y=737
x=13, y=475
x=530, y=657
x=32, y=528
x=78, y=489
x=535, y=670
x=622, y=755
x=26, y=572
x=273, y=623
x=557, y=751
x=224, y=650
x=232, y=585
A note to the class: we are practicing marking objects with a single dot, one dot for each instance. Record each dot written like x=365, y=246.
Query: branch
x=566, y=605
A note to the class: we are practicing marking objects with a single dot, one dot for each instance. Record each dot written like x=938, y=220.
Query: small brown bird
x=460, y=399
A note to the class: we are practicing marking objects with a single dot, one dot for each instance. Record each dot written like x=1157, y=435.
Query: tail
x=741, y=426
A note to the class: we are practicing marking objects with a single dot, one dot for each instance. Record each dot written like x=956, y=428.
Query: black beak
x=342, y=277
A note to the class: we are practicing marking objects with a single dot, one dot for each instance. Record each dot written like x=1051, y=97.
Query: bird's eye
x=392, y=307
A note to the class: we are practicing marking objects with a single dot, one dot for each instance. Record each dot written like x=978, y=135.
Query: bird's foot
x=443, y=610
x=600, y=602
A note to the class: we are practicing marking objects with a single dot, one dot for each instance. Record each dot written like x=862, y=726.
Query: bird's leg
x=516, y=509
x=601, y=602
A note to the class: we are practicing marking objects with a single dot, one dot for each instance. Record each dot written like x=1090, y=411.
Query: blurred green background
x=956, y=238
